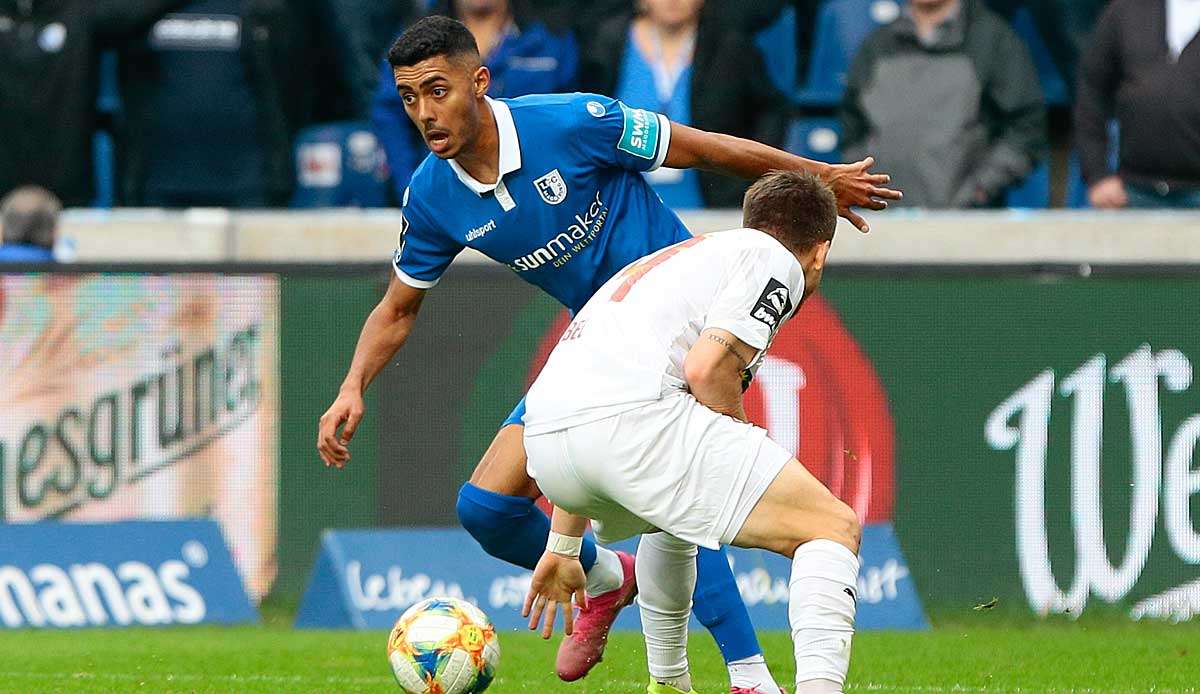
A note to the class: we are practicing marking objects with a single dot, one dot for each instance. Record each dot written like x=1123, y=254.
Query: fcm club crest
x=551, y=187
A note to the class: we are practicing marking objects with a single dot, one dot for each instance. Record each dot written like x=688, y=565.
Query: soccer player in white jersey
x=637, y=422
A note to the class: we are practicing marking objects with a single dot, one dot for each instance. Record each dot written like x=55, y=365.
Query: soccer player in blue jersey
x=551, y=186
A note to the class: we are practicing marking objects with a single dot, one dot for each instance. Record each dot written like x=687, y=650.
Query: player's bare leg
x=497, y=508
x=801, y=519
x=502, y=468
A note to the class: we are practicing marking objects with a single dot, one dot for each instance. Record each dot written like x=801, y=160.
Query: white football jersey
x=626, y=346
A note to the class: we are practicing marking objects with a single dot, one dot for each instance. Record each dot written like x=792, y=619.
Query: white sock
x=666, y=576
x=606, y=574
x=819, y=687
x=752, y=673
x=821, y=611
x=683, y=683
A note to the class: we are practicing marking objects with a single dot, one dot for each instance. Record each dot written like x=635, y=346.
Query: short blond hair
x=29, y=215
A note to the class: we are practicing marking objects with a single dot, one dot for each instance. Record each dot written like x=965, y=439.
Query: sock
x=683, y=683
x=666, y=575
x=821, y=612
x=606, y=574
x=819, y=687
x=719, y=607
x=511, y=528
x=752, y=673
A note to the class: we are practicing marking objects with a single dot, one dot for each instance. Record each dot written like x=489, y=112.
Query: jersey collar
x=510, y=149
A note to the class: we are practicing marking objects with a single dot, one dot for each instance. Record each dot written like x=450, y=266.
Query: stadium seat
x=815, y=138
x=1077, y=197
x=842, y=26
x=1033, y=192
x=108, y=105
x=340, y=165
x=777, y=43
x=1053, y=86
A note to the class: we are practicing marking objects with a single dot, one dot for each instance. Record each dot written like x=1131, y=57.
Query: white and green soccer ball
x=443, y=646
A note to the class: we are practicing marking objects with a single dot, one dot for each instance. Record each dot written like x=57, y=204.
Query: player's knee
x=843, y=527
x=483, y=523
x=839, y=524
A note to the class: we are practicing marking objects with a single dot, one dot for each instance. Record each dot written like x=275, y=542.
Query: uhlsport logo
x=481, y=230
x=96, y=594
x=551, y=187
x=1161, y=480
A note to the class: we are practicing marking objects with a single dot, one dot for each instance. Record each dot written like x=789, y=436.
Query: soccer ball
x=443, y=646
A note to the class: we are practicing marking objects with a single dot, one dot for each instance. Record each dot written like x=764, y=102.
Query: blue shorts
x=517, y=416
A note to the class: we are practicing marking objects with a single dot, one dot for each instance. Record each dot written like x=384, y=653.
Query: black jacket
x=362, y=32
x=1126, y=73
x=731, y=92
x=289, y=60
x=48, y=83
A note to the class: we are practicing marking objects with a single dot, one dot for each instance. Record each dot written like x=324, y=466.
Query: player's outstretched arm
x=383, y=334
x=713, y=371
x=559, y=576
x=853, y=184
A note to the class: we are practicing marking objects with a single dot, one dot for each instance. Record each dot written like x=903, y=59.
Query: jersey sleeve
x=606, y=132
x=760, y=291
x=423, y=250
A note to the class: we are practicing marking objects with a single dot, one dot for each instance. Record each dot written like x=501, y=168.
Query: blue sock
x=718, y=605
x=511, y=528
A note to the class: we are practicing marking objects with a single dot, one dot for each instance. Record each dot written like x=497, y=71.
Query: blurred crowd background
x=289, y=103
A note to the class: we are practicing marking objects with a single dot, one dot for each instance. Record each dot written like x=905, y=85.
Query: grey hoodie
x=952, y=117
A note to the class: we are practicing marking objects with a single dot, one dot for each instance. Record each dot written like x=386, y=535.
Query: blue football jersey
x=570, y=208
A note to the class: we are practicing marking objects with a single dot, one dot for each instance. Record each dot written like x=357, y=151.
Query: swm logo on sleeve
x=773, y=305
x=551, y=187
x=640, y=134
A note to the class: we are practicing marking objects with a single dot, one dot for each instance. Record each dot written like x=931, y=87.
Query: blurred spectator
x=678, y=58
x=947, y=100
x=48, y=84
x=214, y=94
x=584, y=17
x=523, y=55
x=28, y=225
x=1142, y=66
x=362, y=32
x=1063, y=24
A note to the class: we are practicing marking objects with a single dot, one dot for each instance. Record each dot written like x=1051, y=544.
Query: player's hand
x=556, y=580
x=346, y=410
x=1108, y=194
x=855, y=186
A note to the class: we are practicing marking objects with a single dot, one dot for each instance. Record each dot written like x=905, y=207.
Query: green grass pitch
x=980, y=655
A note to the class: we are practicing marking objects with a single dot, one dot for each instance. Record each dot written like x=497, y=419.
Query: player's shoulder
x=748, y=238
x=423, y=176
x=562, y=108
x=751, y=245
x=427, y=179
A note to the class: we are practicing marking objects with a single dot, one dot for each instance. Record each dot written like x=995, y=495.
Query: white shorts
x=672, y=465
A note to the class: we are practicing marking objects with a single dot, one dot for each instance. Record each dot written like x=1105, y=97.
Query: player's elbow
x=704, y=375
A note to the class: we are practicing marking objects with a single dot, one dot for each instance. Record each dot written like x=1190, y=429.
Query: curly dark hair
x=430, y=37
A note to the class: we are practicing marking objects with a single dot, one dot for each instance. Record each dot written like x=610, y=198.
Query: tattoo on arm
x=728, y=347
